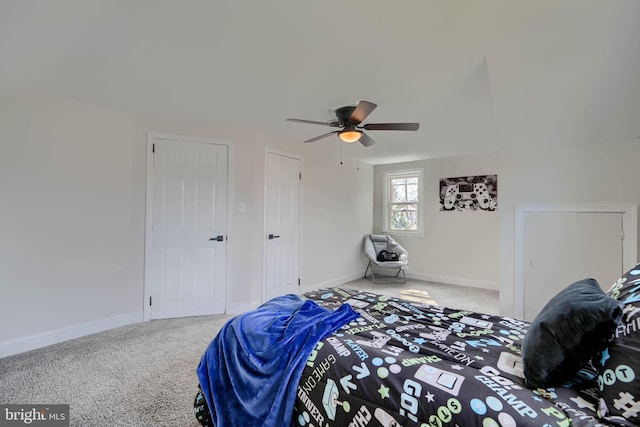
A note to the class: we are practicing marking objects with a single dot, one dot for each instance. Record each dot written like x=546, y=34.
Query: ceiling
x=478, y=75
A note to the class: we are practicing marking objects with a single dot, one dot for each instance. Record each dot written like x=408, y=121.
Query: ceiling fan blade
x=361, y=112
x=366, y=140
x=313, y=122
x=322, y=136
x=391, y=126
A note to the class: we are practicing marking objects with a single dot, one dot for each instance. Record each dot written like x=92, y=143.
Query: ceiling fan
x=350, y=119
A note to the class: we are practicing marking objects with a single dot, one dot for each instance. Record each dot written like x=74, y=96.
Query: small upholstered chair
x=384, y=253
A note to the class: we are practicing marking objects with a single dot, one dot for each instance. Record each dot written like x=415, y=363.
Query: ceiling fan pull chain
x=358, y=157
x=340, y=151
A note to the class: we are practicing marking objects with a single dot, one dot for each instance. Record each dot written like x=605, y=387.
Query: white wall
x=589, y=174
x=70, y=246
x=338, y=204
x=72, y=216
x=460, y=248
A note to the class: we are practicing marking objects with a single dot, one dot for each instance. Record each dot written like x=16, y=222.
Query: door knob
x=272, y=236
x=218, y=238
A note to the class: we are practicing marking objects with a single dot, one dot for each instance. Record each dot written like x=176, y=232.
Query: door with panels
x=282, y=223
x=188, y=245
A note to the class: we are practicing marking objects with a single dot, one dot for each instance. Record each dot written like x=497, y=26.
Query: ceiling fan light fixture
x=350, y=119
x=350, y=135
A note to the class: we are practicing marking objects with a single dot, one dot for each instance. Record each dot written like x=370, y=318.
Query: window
x=403, y=212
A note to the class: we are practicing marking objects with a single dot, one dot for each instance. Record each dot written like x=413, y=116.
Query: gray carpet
x=135, y=375
x=144, y=374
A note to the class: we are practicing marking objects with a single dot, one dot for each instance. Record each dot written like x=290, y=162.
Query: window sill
x=418, y=233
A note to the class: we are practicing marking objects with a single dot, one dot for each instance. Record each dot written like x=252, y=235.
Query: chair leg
x=373, y=276
x=404, y=277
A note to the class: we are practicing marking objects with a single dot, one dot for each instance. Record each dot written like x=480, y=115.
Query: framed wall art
x=469, y=193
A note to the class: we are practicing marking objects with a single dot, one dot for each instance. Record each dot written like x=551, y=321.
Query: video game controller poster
x=469, y=193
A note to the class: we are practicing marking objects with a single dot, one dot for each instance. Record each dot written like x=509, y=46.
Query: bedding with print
x=404, y=363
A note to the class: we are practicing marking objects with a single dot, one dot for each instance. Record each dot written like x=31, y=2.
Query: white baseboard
x=31, y=342
x=333, y=282
x=234, y=309
x=449, y=280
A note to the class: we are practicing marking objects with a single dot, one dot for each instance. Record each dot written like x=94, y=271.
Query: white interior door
x=189, y=228
x=282, y=269
x=564, y=247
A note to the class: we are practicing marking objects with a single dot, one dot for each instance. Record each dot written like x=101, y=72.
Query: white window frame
x=387, y=200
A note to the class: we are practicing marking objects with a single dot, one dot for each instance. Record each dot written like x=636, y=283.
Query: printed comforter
x=404, y=363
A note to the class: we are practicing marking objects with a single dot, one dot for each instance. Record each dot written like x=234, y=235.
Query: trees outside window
x=403, y=195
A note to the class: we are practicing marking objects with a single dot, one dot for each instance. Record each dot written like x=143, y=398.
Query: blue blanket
x=250, y=371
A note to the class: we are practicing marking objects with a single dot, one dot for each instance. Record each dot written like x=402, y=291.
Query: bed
x=406, y=363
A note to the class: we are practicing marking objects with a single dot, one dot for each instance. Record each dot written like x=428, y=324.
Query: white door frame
x=151, y=138
x=629, y=243
x=264, y=225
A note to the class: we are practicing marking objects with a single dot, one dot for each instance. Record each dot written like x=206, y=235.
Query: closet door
x=563, y=247
x=282, y=221
x=188, y=247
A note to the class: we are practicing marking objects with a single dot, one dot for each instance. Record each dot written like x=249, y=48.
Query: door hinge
x=153, y=148
x=300, y=175
x=298, y=281
x=150, y=301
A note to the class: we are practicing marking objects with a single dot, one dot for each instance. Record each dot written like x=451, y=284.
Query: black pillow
x=573, y=326
x=384, y=256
